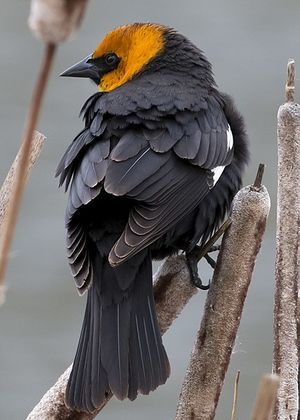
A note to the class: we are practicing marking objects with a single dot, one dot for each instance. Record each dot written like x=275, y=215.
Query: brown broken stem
x=31, y=121
x=210, y=358
x=265, y=399
x=290, y=83
x=259, y=177
x=235, y=395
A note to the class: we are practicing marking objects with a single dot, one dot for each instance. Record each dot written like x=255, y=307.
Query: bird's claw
x=198, y=283
x=192, y=263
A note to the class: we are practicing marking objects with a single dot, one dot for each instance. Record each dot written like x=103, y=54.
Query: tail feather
x=114, y=346
x=88, y=385
x=120, y=348
x=149, y=365
x=99, y=384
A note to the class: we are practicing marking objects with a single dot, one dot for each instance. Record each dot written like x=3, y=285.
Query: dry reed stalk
x=215, y=340
x=285, y=356
x=9, y=182
x=265, y=399
x=18, y=188
x=235, y=396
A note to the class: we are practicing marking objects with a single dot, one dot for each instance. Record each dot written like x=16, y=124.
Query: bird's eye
x=111, y=59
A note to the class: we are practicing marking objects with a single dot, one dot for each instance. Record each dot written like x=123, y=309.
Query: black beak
x=85, y=68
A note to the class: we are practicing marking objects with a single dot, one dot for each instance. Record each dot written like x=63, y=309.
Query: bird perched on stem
x=153, y=172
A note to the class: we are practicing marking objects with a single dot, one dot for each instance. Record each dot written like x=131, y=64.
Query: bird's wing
x=87, y=180
x=167, y=190
x=167, y=167
x=168, y=174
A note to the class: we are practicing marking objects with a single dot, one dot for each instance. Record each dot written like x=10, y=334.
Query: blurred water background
x=249, y=44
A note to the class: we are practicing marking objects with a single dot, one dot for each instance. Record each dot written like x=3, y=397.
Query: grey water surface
x=249, y=44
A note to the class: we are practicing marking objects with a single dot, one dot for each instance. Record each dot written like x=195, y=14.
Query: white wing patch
x=229, y=138
x=217, y=172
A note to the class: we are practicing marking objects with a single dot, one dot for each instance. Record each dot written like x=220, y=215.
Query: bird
x=153, y=173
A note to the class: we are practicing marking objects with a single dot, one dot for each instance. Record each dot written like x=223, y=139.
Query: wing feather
x=123, y=177
x=147, y=222
x=128, y=146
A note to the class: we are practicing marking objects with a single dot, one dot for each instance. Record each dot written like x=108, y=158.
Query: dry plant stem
x=290, y=83
x=265, y=399
x=9, y=182
x=235, y=395
x=210, y=358
x=30, y=125
x=285, y=357
x=172, y=290
x=52, y=403
x=259, y=176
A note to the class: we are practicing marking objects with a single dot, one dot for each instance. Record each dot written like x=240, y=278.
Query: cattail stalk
x=286, y=350
x=9, y=183
x=7, y=186
x=215, y=340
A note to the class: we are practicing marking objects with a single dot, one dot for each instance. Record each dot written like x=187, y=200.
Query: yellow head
x=122, y=54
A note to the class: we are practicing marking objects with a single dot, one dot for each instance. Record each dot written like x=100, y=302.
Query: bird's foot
x=192, y=257
x=192, y=263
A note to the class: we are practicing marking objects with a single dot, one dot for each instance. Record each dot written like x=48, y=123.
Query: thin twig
x=225, y=300
x=34, y=109
x=265, y=399
x=235, y=395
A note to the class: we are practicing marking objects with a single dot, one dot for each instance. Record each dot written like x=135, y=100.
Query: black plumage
x=154, y=171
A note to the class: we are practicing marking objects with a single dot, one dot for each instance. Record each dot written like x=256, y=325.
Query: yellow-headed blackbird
x=153, y=171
